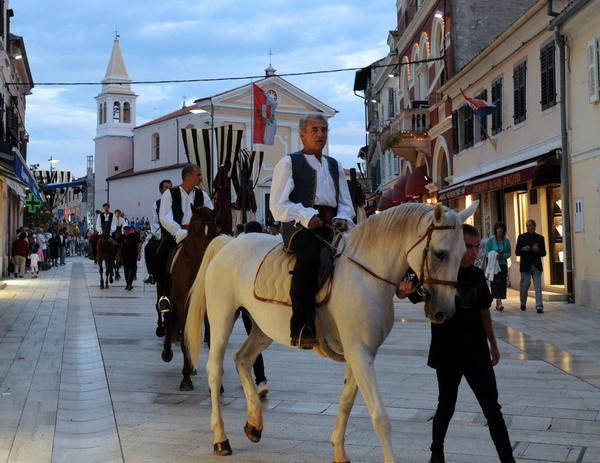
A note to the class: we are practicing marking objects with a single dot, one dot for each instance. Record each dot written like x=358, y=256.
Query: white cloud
x=165, y=27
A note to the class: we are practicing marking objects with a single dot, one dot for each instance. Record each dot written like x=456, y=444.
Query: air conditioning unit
x=419, y=104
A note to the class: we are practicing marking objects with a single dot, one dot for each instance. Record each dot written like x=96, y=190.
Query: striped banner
x=43, y=177
x=196, y=143
x=229, y=142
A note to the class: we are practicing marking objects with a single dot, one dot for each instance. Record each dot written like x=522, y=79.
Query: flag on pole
x=263, y=121
x=480, y=107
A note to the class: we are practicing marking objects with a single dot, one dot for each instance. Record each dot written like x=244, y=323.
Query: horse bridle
x=425, y=263
x=431, y=281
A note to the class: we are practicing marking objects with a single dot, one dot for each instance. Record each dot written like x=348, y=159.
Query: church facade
x=132, y=160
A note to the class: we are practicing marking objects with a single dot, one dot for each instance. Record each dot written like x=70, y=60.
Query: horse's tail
x=196, y=302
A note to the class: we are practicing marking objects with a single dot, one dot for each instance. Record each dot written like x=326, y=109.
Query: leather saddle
x=274, y=276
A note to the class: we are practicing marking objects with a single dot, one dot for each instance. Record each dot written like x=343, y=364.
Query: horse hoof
x=111, y=280
x=117, y=278
x=167, y=355
x=252, y=433
x=101, y=286
x=194, y=372
x=160, y=332
x=222, y=448
x=186, y=385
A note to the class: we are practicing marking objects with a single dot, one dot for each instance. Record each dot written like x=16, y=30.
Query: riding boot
x=302, y=293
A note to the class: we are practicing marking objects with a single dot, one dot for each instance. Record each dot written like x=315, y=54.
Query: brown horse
x=202, y=230
x=105, y=252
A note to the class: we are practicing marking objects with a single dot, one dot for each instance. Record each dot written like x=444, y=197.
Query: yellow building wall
x=583, y=119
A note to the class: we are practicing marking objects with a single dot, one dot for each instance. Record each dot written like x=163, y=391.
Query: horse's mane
x=385, y=226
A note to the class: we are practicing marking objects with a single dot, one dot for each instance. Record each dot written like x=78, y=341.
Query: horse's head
x=436, y=259
x=202, y=228
x=105, y=231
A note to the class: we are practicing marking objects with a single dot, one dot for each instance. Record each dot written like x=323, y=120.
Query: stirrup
x=164, y=305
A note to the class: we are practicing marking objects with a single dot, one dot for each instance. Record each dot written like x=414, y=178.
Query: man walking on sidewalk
x=531, y=247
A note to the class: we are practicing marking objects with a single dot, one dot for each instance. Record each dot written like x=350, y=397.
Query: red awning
x=415, y=184
x=504, y=178
x=386, y=200
x=399, y=190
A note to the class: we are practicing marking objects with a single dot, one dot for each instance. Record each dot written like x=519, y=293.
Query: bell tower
x=114, y=125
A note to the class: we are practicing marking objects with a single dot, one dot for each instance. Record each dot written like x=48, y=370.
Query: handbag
x=11, y=266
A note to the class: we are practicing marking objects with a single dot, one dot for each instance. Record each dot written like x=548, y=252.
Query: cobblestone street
x=81, y=380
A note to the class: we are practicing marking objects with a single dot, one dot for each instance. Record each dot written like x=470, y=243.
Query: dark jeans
x=167, y=243
x=130, y=269
x=150, y=254
x=259, y=366
x=307, y=247
x=482, y=381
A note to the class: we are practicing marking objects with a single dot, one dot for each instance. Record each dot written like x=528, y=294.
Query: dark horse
x=105, y=252
x=118, y=236
x=202, y=230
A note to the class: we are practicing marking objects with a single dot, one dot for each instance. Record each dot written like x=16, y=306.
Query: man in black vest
x=531, y=247
x=155, y=234
x=104, y=217
x=174, y=214
x=308, y=192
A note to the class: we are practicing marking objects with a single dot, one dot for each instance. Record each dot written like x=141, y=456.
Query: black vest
x=305, y=188
x=102, y=220
x=176, y=202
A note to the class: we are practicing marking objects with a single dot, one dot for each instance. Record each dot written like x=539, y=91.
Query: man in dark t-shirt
x=459, y=347
x=130, y=254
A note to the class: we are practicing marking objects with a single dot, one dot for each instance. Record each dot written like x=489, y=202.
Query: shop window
x=520, y=92
x=555, y=235
x=548, y=76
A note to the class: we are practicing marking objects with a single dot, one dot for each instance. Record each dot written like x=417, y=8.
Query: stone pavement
x=81, y=380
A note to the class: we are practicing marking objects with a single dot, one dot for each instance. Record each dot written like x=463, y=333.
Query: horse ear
x=468, y=212
x=438, y=213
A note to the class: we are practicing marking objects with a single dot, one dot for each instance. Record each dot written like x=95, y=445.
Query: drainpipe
x=564, y=168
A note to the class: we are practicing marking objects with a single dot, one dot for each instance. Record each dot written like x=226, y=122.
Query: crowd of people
x=38, y=249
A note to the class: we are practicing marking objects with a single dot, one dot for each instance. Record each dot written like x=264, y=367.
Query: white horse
x=355, y=320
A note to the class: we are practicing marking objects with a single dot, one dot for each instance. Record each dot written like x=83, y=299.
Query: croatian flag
x=264, y=123
x=480, y=107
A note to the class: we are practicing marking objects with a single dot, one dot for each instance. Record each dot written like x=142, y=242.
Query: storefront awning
x=494, y=181
x=13, y=166
x=415, y=184
x=56, y=186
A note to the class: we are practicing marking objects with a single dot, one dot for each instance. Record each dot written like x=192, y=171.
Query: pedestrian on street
x=53, y=243
x=499, y=243
x=459, y=347
x=531, y=247
x=62, y=245
x=20, y=252
x=34, y=259
x=131, y=253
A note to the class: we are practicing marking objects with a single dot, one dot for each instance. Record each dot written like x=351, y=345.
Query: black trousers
x=259, y=366
x=130, y=269
x=307, y=247
x=150, y=254
x=166, y=244
x=482, y=381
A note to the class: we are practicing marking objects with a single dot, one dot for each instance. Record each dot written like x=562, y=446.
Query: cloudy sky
x=71, y=41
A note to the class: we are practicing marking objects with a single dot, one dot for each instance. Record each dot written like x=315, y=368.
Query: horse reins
x=426, y=235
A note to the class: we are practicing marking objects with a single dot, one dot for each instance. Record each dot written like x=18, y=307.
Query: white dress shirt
x=282, y=185
x=113, y=224
x=154, y=222
x=120, y=222
x=165, y=214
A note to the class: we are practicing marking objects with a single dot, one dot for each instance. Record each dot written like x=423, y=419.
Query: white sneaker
x=262, y=389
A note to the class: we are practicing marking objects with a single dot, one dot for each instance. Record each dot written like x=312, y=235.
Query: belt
x=326, y=213
x=186, y=227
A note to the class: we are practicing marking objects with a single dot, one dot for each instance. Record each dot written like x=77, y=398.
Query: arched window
x=116, y=112
x=104, y=112
x=155, y=149
x=126, y=113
